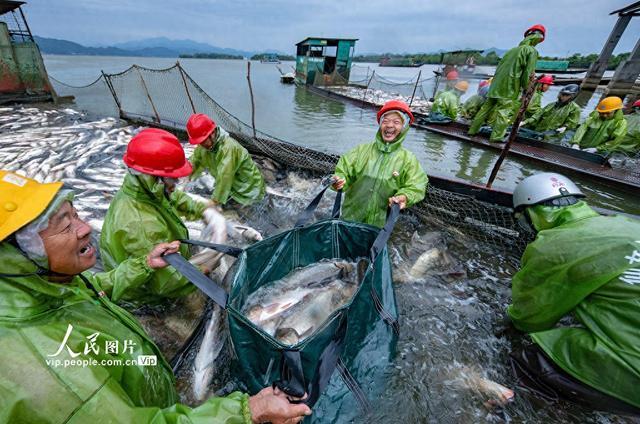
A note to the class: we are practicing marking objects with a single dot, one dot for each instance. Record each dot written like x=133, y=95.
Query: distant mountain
x=497, y=51
x=55, y=46
x=181, y=46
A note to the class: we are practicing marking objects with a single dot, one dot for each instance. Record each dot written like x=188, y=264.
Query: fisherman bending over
x=510, y=80
x=67, y=353
x=557, y=117
x=473, y=104
x=535, y=104
x=380, y=173
x=587, y=267
x=446, y=104
x=604, y=129
x=237, y=176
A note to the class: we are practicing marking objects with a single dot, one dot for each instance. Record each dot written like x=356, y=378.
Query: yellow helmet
x=22, y=200
x=462, y=86
x=609, y=104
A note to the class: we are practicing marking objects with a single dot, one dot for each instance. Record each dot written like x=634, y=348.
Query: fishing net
x=167, y=97
x=94, y=98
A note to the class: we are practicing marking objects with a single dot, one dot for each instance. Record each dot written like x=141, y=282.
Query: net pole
x=415, y=87
x=107, y=81
x=186, y=88
x=253, y=105
x=146, y=90
x=526, y=98
x=364, y=96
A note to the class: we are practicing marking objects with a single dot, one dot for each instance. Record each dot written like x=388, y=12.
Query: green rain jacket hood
x=603, y=134
x=586, y=265
x=237, y=176
x=447, y=103
x=376, y=171
x=553, y=116
x=37, y=386
x=515, y=67
x=139, y=217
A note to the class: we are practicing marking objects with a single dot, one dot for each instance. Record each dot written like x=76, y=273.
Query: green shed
x=324, y=61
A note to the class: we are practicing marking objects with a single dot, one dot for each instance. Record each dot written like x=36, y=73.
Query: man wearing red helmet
x=535, y=104
x=376, y=174
x=237, y=176
x=146, y=211
x=510, y=80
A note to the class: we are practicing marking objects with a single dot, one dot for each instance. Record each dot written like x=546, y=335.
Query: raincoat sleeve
x=197, y=162
x=414, y=183
x=529, y=57
x=573, y=119
x=617, y=136
x=186, y=206
x=346, y=166
x=130, y=274
x=535, y=118
x=226, y=173
x=582, y=130
x=535, y=105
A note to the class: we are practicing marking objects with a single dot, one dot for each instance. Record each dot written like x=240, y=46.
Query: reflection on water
x=310, y=107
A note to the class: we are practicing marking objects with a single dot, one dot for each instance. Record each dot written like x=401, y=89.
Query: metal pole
x=25, y=22
x=107, y=81
x=414, y=87
x=146, y=90
x=514, y=128
x=186, y=88
x=253, y=105
x=364, y=96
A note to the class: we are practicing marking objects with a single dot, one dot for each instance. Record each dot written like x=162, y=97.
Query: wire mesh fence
x=167, y=97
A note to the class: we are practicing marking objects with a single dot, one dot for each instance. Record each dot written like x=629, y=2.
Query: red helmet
x=546, y=79
x=199, y=127
x=539, y=28
x=395, y=105
x=452, y=76
x=483, y=83
x=157, y=152
x=636, y=103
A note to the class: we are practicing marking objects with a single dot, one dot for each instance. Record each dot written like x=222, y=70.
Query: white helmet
x=542, y=187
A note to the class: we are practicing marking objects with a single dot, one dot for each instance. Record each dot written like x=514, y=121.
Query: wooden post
x=514, y=128
x=414, y=88
x=364, y=96
x=146, y=90
x=597, y=68
x=107, y=81
x=625, y=76
x=186, y=88
x=253, y=105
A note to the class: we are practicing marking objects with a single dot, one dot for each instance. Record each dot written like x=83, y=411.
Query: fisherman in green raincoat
x=447, y=102
x=68, y=354
x=630, y=144
x=510, y=80
x=237, y=176
x=587, y=267
x=146, y=211
x=557, y=117
x=375, y=175
x=473, y=104
x=535, y=104
x=604, y=129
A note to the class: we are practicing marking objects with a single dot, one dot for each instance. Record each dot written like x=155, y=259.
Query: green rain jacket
x=515, y=68
x=630, y=144
x=602, y=134
x=139, y=217
x=36, y=387
x=447, y=103
x=376, y=171
x=237, y=176
x=471, y=106
x=553, y=116
x=535, y=104
x=586, y=265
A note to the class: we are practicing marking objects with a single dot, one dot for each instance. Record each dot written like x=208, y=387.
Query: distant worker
x=604, y=129
x=585, y=266
x=452, y=78
x=511, y=79
x=558, y=117
x=377, y=174
x=447, y=103
x=473, y=104
x=146, y=211
x=535, y=104
x=237, y=176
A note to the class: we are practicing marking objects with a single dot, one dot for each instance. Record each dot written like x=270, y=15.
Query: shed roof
x=326, y=39
x=7, y=6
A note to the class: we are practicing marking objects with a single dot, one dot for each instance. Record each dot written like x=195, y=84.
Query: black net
x=94, y=98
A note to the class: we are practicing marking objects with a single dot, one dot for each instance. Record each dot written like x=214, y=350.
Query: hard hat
x=541, y=187
x=452, y=76
x=199, y=127
x=636, y=103
x=462, y=86
x=609, y=104
x=546, y=79
x=157, y=152
x=483, y=83
x=22, y=200
x=571, y=89
x=537, y=27
x=395, y=105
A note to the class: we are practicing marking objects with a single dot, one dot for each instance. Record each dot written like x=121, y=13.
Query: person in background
x=473, y=104
x=510, y=80
x=447, y=103
x=377, y=174
x=604, y=129
x=535, y=104
x=577, y=295
x=237, y=176
x=630, y=144
x=67, y=352
x=556, y=118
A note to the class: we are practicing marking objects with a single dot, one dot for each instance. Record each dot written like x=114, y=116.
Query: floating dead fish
x=470, y=378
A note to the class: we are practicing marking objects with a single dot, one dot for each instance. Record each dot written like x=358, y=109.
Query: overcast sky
x=381, y=25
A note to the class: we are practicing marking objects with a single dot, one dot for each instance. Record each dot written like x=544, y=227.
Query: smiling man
x=377, y=174
x=70, y=355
